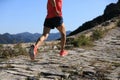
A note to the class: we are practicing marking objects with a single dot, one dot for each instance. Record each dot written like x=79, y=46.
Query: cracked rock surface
x=101, y=62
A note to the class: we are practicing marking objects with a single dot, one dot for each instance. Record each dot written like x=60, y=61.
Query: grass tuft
x=7, y=51
x=82, y=40
x=118, y=23
x=97, y=34
x=87, y=41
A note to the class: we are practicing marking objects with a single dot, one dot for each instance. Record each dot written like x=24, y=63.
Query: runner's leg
x=44, y=36
x=63, y=35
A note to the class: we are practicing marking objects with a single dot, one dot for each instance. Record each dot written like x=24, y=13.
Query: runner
x=53, y=20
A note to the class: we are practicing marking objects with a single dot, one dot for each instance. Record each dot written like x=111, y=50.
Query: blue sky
x=18, y=16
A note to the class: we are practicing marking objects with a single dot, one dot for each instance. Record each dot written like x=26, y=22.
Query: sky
x=17, y=16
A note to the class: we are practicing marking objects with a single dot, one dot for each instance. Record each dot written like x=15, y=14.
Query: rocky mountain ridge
x=111, y=11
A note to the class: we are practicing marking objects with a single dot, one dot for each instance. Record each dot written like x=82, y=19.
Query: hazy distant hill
x=25, y=37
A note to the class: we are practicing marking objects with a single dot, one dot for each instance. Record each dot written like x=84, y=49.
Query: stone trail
x=101, y=62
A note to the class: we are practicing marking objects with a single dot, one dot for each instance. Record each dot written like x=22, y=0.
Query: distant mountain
x=55, y=36
x=111, y=11
x=25, y=37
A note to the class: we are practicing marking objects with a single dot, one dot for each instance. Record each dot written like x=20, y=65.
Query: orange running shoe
x=33, y=52
x=63, y=53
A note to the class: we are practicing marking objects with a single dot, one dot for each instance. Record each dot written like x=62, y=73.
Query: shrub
x=1, y=46
x=82, y=41
x=19, y=50
x=97, y=34
x=7, y=52
x=118, y=23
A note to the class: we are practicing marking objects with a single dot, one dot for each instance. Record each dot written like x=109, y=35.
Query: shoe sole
x=31, y=54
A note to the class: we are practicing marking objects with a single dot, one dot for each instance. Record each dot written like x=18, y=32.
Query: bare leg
x=43, y=37
x=63, y=35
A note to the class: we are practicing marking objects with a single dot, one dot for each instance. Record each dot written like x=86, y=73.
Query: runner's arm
x=55, y=7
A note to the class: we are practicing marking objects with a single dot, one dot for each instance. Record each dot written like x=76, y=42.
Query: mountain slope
x=112, y=10
x=101, y=62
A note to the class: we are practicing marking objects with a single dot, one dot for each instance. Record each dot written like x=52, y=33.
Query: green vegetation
x=116, y=64
x=118, y=23
x=83, y=40
x=9, y=51
x=1, y=46
x=97, y=34
x=19, y=50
